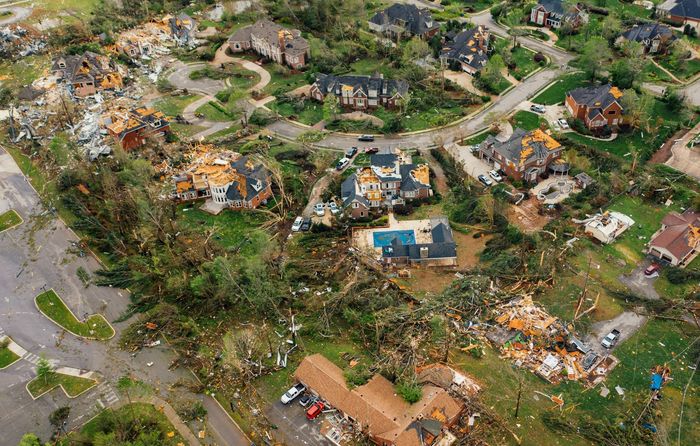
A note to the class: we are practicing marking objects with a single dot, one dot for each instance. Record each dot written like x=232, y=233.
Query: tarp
x=656, y=381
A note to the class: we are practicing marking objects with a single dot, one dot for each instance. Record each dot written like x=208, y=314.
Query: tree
x=624, y=74
x=58, y=417
x=513, y=19
x=637, y=108
x=595, y=55
x=680, y=52
x=674, y=100
x=611, y=28
x=491, y=73
x=415, y=49
x=331, y=107
x=29, y=440
x=44, y=370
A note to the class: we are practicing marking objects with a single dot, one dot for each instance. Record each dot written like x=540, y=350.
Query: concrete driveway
x=470, y=163
x=628, y=323
x=684, y=158
x=292, y=426
x=640, y=284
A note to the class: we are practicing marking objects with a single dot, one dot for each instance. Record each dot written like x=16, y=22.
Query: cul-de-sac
x=349, y=222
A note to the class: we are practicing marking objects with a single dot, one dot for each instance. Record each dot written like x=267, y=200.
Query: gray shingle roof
x=596, y=99
x=465, y=48
x=555, y=6
x=416, y=21
x=512, y=149
x=408, y=183
x=329, y=83
x=253, y=175
x=348, y=192
x=443, y=246
x=648, y=31
x=682, y=8
x=270, y=32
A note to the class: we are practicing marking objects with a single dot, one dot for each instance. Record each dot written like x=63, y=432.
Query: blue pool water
x=384, y=238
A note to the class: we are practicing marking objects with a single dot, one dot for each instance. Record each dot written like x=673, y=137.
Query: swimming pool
x=384, y=238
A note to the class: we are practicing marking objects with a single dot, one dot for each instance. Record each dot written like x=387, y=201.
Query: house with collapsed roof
x=525, y=155
x=439, y=249
x=686, y=12
x=597, y=107
x=552, y=14
x=608, y=226
x=268, y=39
x=376, y=410
x=88, y=73
x=655, y=38
x=131, y=129
x=356, y=92
x=404, y=21
x=469, y=49
x=183, y=29
x=391, y=179
x=227, y=178
x=676, y=242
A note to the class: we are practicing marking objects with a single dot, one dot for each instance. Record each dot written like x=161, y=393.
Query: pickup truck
x=292, y=393
x=611, y=339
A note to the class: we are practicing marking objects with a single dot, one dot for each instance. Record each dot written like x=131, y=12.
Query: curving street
x=18, y=13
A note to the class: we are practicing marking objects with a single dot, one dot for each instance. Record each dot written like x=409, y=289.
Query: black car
x=306, y=224
x=366, y=138
x=306, y=400
x=350, y=152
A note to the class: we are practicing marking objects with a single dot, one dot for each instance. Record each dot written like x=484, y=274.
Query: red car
x=315, y=410
x=371, y=150
x=652, y=270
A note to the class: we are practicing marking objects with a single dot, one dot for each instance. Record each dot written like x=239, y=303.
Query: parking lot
x=292, y=425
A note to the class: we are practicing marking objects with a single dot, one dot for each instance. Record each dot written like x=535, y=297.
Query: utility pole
x=520, y=391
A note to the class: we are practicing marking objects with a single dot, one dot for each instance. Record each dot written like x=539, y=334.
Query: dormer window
x=61, y=64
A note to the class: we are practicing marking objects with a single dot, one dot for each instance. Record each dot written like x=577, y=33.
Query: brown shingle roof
x=376, y=406
x=676, y=237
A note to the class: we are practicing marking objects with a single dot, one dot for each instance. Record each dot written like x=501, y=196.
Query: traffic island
x=9, y=219
x=7, y=356
x=65, y=378
x=53, y=307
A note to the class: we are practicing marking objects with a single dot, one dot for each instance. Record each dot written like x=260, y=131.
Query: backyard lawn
x=212, y=111
x=174, y=105
x=9, y=219
x=524, y=62
x=53, y=307
x=71, y=385
x=556, y=92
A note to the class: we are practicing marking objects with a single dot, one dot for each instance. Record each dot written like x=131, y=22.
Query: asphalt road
x=19, y=13
x=37, y=255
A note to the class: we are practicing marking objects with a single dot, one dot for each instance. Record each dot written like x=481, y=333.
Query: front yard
x=556, y=92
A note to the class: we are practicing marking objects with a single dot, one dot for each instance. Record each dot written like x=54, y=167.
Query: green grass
x=145, y=413
x=184, y=130
x=7, y=357
x=214, y=113
x=524, y=62
x=9, y=219
x=556, y=92
x=16, y=74
x=526, y=120
x=652, y=73
x=282, y=81
x=95, y=327
x=309, y=114
x=232, y=229
x=174, y=105
x=682, y=71
x=71, y=385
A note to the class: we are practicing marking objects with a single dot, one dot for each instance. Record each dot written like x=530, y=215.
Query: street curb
x=26, y=386
x=16, y=213
x=8, y=347
x=114, y=332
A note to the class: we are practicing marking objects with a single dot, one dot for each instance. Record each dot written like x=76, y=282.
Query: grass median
x=7, y=356
x=94, y=327
x=9, y=220
x=71, y=385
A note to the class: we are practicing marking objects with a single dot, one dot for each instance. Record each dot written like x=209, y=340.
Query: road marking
x=101, y=404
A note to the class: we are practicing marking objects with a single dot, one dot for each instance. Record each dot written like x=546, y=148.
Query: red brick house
x=686, y=12
x=597, y=107
x=131, y=130
x=551, y=14
x=360, y=92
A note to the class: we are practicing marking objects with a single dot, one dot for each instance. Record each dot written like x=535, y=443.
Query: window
x=612, y=112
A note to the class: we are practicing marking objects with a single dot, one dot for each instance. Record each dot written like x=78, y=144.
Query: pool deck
x=363, y=239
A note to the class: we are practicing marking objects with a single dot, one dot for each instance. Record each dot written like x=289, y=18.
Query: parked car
x=342, y=163
x=371, y=150
x=562, y=122
x=611, y=339
x=292, y=393
x=305, y=400
x=485, y=180
x=350, y=152
x=473, y=149
x=315, y=410
x=493, y=174
x=652, y=270
x=320, y=209
x=366, y=138
x=306, y=224
x=333, y=207
x=537, y=108
x=297, y=224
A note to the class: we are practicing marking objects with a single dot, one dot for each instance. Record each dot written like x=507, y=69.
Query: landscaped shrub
x=678, y=276
x=410, y=392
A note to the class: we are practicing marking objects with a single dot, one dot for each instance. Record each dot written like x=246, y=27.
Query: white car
x=333, y=207
x=292, y=393
x=320, y=209
x=538, y=108
x=342, y=163
x=562, y=122
x=493, y=174
x=296, y=226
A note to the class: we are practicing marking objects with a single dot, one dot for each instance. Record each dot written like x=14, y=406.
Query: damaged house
x=677, y=241
x=183, y=29
x=468, y=51
x=597, y=107
x=377, y=411
x=523, y=156
x=226, y=178
x=390, y=179
x=88, y=73
x=20, y=41
x=606, y=227
x=356, y=92
x=404, y=21
x=435, y=247
x=131, y=129
x=654, y=37
x=268, y=39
